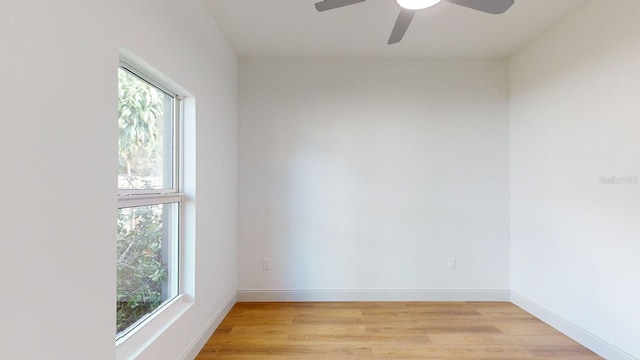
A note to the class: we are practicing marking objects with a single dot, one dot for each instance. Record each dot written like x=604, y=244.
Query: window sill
x=136, y=341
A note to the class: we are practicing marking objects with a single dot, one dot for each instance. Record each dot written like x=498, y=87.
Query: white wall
x=57, y=248
x=574, y=118
x=58, y=150
x=367, y=175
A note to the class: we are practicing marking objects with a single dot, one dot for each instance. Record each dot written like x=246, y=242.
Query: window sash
x=171, y=138
x=172, y=249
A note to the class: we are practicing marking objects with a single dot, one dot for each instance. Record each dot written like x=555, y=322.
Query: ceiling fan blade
x=401, y=26
x=334, y=4
x=489, y=6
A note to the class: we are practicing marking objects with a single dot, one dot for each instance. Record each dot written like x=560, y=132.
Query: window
x=149, y=199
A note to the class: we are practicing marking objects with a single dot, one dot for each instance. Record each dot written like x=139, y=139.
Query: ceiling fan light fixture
x=417, y=4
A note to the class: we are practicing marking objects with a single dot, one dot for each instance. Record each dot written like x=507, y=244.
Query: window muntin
x=149, y=199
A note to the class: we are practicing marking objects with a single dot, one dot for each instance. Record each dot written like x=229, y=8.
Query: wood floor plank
x=454, y=352
x=394, y=330
x=475, y=339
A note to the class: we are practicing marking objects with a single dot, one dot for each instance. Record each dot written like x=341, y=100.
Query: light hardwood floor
x=389, y=330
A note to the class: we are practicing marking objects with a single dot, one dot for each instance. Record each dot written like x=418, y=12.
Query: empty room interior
x=476, y=156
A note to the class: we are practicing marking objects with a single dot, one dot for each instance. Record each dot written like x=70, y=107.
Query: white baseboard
x=211, y=326
x=503, y=295
x=580, y=335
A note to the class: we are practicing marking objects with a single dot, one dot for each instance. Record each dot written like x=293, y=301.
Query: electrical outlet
x=452, y=263
x=266, y=264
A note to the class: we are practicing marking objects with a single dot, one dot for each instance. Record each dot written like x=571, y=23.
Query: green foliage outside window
x=142, y=276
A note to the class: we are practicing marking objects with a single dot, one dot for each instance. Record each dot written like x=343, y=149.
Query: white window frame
x=131, y=198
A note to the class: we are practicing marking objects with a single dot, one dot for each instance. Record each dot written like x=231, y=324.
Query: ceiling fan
x=409, y=8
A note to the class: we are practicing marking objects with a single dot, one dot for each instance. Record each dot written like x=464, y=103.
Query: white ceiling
x=293, y=28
